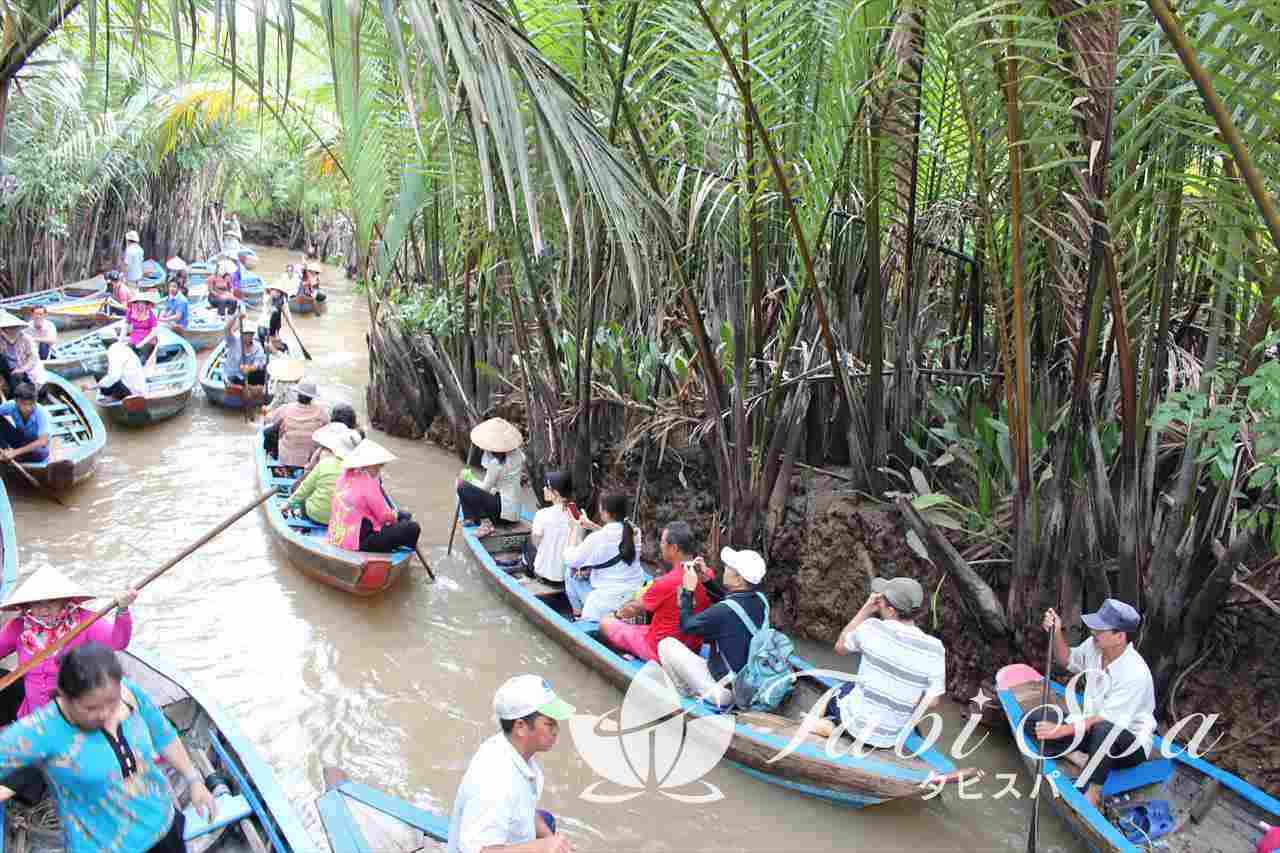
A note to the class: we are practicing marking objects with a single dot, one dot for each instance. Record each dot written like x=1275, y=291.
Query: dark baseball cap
x=1113, y=615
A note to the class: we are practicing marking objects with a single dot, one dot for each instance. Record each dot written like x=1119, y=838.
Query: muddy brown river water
x=398, y=691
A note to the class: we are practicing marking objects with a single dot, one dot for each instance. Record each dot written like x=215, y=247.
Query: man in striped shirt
x=902, y=667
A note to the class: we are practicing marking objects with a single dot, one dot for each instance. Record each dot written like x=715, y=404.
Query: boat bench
x=1155, y=771
x=231, y=809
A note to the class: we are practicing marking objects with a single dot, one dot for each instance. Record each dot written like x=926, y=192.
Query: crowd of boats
x=255, y=815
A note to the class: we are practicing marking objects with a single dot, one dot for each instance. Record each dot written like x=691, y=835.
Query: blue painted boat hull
x=78, y=436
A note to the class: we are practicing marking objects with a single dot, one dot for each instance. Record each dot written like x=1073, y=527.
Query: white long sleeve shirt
x=123, y=366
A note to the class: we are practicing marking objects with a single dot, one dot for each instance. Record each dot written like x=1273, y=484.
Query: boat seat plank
x=1154, y=772
x=231, y=809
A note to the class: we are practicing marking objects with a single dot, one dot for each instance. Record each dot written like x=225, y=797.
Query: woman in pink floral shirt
x=361, y=517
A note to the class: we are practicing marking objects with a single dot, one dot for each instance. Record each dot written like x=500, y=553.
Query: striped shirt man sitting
x=902, y=667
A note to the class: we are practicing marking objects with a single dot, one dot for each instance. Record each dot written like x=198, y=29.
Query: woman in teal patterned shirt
x=98, y=743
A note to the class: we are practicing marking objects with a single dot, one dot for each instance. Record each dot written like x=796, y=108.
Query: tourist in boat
x=275, y=309
x=176, y=269
x=99, y=744
x=221, y=296
x=19, y=355
x=310, y=285
x=661, y=599
x=719, y=625
x=312, y=496
x=142, y=324
x=24, y=427
x=1119, y=695
x=603, y=571
x=131, y=261
x=175, y=311
x=360, y=515
x=497, y=497
x=244, y=362
x=496, y=808
x=550, y=533
x=290, y=427
x=125, y=375
x=902, y=671
x=42, y=331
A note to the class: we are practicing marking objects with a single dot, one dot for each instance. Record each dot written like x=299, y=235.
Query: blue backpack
x=765, y=680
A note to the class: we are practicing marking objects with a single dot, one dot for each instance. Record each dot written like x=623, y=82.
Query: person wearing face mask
x=99, y=743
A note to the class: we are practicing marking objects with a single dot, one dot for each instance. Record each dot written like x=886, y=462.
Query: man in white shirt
x=42, y=331
x=496, y=807
x=133, y=257
x=125, y=376
x=902, y=667
x=1113, y=729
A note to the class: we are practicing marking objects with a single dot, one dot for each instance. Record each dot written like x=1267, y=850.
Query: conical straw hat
x=286, y=369
x=9, y=321
x=367, y=453
x=285, y=284
x=496, y=436
x=47, y=584
x=175, y=264
x=338, y=437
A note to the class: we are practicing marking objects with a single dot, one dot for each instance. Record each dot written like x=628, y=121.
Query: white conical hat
x=496, y=436
x=338, y=437
x=175, y=264
x=11, y=321
x=131, y=236
x=46, y=584
x=285, y=284
x=368, y=452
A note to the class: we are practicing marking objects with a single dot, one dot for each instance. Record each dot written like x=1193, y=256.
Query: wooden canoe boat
x=251, y=288
x=360, y=819
x=82, y=356
x=841, y=777
x=360, y=573
x=169, y=387
x=307, y=304
x=1234, y=807
x=253, y=812
x=8, y=546
x=204, y=327
x=215, y=389
x=68, y=309
x=77, y=436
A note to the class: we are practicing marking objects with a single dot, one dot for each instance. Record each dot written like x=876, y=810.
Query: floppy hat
x=308, y=389
x=175, y=264
x=368, y=452
x=496, y=436
x=747, y=563
x=1113, y=615
x=337, y=437
x=46, y=584
x=522, y=695
x=286, y=369
x=903, y=594
x=11, y=321
x=131, y=236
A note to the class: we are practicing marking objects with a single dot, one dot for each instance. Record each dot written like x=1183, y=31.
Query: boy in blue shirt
x=24, y=427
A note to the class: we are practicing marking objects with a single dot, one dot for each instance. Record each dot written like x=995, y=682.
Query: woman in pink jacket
x=360, y=514
x=50, y=609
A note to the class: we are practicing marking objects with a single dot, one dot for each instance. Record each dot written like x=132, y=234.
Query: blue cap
x=1113, y=615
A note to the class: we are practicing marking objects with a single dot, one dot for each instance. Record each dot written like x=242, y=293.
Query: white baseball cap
x=747, y=563
x=521, y=695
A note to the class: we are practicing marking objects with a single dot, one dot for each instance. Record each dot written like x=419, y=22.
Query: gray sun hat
x=307, y=389
x=905, y=595
x=1113, y=615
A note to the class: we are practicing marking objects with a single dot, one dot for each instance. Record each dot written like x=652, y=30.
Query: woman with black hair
x=99, y=744
x=545, y=557
x=603, y=571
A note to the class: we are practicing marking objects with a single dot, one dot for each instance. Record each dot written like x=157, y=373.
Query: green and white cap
x=522, y=695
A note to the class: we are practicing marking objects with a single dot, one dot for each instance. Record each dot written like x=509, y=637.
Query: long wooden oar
x=1033, y=831
x=58, y=646
x=425, y=564
x=288, y=319
x=457, y=512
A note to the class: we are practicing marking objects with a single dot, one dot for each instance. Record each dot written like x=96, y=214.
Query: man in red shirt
x=661, y=599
